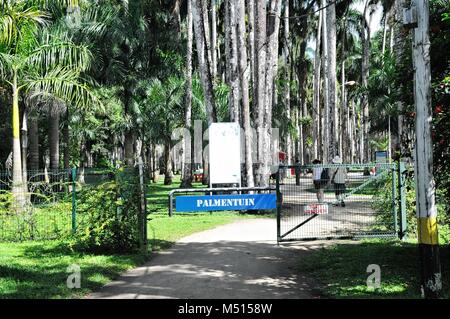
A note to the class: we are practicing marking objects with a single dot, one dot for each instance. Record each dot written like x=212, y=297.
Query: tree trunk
x=333, y=124
x=168, y=175
x=273, y=27
x=431, y=282
x=326, y=114
x=33, y=143
x=17, y=183
x=213, y=39
x=66, y=139
x=251, y=41
x=204, y=64
x=227, y=36
x=260, y=81
x=301, y=139
x=287, y=91
x=365, y=42
x=316, y=90
x=344, y=145
x=244, y=77
x=187, y=150
x=24, y=138
x=54, y=137
x=399, y=47
x=129, y=148
x=234, y=80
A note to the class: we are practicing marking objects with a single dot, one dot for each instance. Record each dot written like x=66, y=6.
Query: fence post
x=279, y=203
x=170, y=204
x=394, y=197
x=402, y=199
x=74, y=199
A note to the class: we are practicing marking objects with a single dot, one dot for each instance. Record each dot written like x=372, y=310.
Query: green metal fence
x=45, y=207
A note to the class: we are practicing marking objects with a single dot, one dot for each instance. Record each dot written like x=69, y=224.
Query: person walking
x=317, y=180
x=338, y=177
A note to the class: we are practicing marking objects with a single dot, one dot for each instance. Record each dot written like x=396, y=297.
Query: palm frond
x=7, y=62
x=14, y=18
x=62, y=83
x=55, y=52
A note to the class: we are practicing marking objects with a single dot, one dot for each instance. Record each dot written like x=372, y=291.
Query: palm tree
x=164, y=112
x=50, y=65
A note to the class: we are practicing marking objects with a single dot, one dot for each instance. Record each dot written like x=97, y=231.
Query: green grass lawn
x=43, y=222
x=341, y=269
x=38, y=269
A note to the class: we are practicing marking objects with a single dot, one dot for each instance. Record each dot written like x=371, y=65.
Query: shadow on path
x=221, y=269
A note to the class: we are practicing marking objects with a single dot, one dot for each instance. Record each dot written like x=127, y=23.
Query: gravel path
x=238, y=260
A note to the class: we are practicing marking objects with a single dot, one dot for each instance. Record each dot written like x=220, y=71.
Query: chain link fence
x=338, y=201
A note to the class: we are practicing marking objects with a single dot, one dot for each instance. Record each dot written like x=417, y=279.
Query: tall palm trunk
x=168, y=175
x=399, y=50
x=244, y=76
x=24, y=138
x=365, y=41
x=66, y=140
x=17, y=184
x=273, y=28
x=204, y=62
x=331, y=74
x=187, y=169
x=316, y=90
x=260, y=81
x=234, y=80
x=213, y=39
x=227, y=43
x=33, y=139
x=251, y=42
x=128, y=135
x=287, y=90
x=326, y=91
x=344, y=145
x=54, y=137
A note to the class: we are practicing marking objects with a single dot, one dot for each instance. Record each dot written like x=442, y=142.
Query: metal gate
x=367, y=200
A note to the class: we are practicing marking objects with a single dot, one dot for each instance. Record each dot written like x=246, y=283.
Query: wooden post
x=425, y=186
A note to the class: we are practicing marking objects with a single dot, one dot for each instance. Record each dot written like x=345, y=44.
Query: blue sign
x=225, y=202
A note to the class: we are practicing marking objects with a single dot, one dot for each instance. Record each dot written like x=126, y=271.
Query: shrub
x=108, y=215
x=383, y=201
x=383, y=204
x=6, y=201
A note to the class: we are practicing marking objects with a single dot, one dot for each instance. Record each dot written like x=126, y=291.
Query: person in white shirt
x=317, y=180
x=338, y=177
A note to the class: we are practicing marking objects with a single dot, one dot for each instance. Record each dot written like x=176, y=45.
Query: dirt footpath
x=238, y=260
